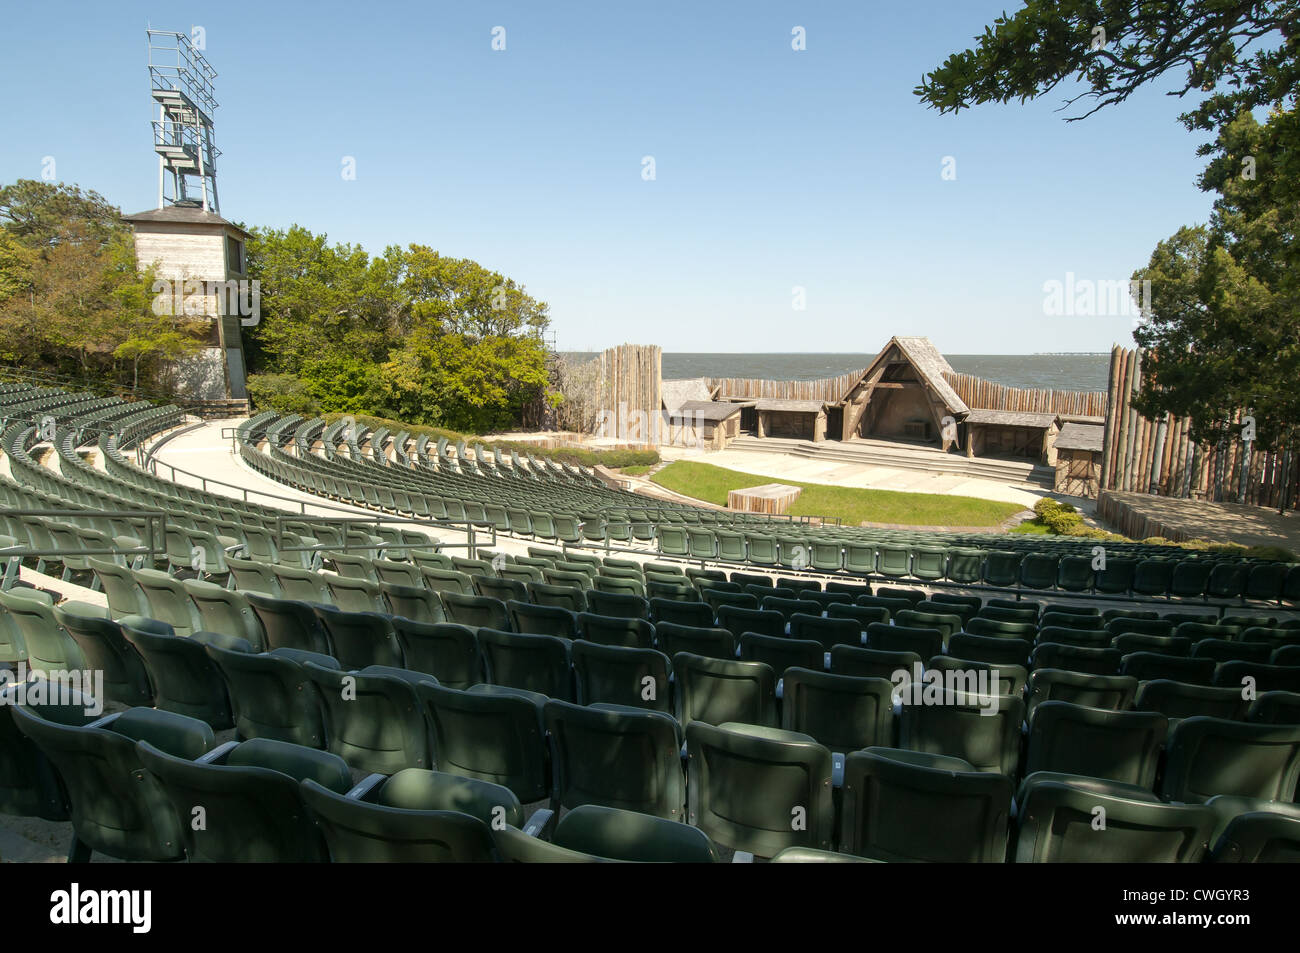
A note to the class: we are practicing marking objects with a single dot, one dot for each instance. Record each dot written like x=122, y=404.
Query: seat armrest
x=837, y=770
x=218, y=754
x=539, y=822
x=366, y=786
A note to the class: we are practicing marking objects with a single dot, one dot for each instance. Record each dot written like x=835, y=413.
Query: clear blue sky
x=774, y=168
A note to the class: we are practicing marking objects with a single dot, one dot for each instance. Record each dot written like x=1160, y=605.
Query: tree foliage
x=409, y=334
x=1240, y=54
x=72, y=299
x=1222, y=333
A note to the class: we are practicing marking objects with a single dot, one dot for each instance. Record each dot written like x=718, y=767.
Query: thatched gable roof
x=676, y=393
x=1080, y=437
x=1010, y=418
x=930, y=367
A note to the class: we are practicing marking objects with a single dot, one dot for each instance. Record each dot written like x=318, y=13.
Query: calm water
x=1051, y=371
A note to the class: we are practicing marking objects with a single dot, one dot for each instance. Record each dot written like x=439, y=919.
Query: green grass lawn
x=703, y=481
x=637, y=470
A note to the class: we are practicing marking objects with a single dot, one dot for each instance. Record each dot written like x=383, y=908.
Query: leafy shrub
x=284, y=393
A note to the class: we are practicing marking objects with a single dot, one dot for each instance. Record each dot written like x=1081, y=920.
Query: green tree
x=1239, y=55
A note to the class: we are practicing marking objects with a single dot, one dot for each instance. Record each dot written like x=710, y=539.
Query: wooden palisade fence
x=1146, y=456
x=987, y=395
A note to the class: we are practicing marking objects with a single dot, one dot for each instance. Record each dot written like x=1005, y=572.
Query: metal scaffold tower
x=180, y=81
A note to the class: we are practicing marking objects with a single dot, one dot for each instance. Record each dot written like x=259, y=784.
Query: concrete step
x=882, y=454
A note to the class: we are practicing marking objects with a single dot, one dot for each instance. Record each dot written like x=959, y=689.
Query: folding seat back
x=1039, y=570
x=359, y=832
x=841, y=712
x=1121, y=746
x=29, y=784
x=288, y=624
x=1178, y=700
x=1002, y=679
x=1057, y=823
x=696, y=640
x=608, y=630
x=872, y=663
x=542, y=620
x=1002, y=568
x=475, y=611
x=412, y=602
x=615, y=757
x=631, y=676
x=355, y=595
x=925, y=642
x=494, y=587
x=104, y=650
x=1111, y=693
x=224, y=610
x=738, y=620
x=352, y=565
x=48, y=645
x=691, y=613
x=1145, y=666
x=373, y=720
x=270, y=696
x=863, y=615
x=117, y=808
x=1084, y=638
x=1074, y=658
x=1122, y=624
x=1270, y=708
x=567, y=597
x=947, y=623
x=252, y=805
x=748, y=786
x=640, y=837
x=787, y=606
x=1068, y=620
x=781, y=652
x=1209, y=756
x=1223, y=650
x=619, y=584
x=249, y=574
x=1128, y=642
x=1261, y=837
x=1259, y=676
x=908, y=806
x=447, y=581
x=535, y=663
x=492, y=734
x=1010, y=610
x=1199, y=631
x=184, y=679
x=997, y=628
x=124, y=596
x=724, y=690
x=617, y=604
x=302, y=585
x=445, y=650
x=994, y=651
x=827, y=631
x=360, y=639
x=981, y=729
x=1153, y=577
